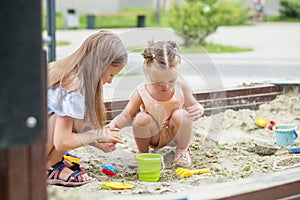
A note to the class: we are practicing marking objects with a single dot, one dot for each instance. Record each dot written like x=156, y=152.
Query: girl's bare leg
x=54, y=156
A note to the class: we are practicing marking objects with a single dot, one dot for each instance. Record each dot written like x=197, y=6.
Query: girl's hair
x=84, y=68
x=165, y=54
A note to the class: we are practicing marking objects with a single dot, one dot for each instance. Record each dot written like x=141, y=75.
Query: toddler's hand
x=112, y=129
x=195, y=111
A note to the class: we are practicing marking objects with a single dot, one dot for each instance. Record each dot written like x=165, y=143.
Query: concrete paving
x=275, y=56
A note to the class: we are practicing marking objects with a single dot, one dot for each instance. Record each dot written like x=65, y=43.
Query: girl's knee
x=142, y=119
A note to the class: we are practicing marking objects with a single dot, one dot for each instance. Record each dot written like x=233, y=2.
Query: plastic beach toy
x=285, y=134
x=294, y=150
x=286, y=163
x=117, y=185
x=261, y=122
x=71, y=157
x=271, y=124
x=109, y=170
x=149, y=166
x=182, y=173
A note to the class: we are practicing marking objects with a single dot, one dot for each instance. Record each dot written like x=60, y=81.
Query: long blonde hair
x=87, y=64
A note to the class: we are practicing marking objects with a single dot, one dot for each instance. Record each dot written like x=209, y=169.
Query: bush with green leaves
x=196, y=19
x=232, y=12
x=289, y=8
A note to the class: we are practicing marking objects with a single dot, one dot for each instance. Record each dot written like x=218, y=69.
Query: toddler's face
x=165, y=79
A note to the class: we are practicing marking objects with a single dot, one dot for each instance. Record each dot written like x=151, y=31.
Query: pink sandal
x=182, y=157
x=132, y=163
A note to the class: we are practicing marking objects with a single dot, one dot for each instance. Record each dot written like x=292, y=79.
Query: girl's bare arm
x=65, y=139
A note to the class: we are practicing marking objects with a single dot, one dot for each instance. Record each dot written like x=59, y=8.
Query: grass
x=207, y=47
x=127, y=74
x=281, y=19
x=151, y=21
x=62, y=43
x=216, y=48
x=131, y=21
x=118, y=21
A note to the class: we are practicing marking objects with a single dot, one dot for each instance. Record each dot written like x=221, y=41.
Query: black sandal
x=75, y=179
x=75, y=166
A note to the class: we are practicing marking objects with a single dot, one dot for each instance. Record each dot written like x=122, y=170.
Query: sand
x=242, y=150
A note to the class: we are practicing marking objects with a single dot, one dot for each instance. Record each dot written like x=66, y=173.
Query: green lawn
x=151, y=21
x=208, y=47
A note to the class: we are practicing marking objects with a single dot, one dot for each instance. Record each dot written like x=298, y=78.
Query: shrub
x=197, y=19
x=232, y=12
x=289, y=8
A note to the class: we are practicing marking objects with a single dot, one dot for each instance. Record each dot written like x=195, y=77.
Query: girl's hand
x=195, y=111
x=110, y=135
x=107, y=144
x=105, y=147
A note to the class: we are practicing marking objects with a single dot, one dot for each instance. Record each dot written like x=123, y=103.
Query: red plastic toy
x=271, y=124
x=109, y=170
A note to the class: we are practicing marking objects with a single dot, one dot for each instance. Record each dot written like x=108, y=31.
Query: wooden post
x=23, y=119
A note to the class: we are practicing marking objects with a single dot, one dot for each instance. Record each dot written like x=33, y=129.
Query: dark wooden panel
x=281, y=191
x=276, y=185
x=115, y=105
x=251, y=90
x=22, y=94
x=18, y=173
x=20, y=72
x=219, y=101
x=37, y=169
x=3, y=174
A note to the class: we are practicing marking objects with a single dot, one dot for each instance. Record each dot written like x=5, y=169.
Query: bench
x=91, y=18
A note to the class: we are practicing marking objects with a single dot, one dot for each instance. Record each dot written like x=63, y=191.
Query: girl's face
x=110, y=72
x=164, y=79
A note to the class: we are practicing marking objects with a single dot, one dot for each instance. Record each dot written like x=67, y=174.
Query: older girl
x=75, y=105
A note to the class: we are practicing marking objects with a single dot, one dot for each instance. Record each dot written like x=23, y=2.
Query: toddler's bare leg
x=143, y=129
x=181, y=128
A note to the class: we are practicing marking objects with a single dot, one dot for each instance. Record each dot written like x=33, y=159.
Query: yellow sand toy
x=261, y=122
x=182, y=173
x=116, y=186
x=71, y=157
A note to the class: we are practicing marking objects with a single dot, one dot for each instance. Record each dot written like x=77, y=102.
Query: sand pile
x=243, y=149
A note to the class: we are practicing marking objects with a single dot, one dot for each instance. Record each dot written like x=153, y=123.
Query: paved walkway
x=269, y=40
x=276, y=46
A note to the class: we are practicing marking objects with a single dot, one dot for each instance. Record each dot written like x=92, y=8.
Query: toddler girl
x=164, y=108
